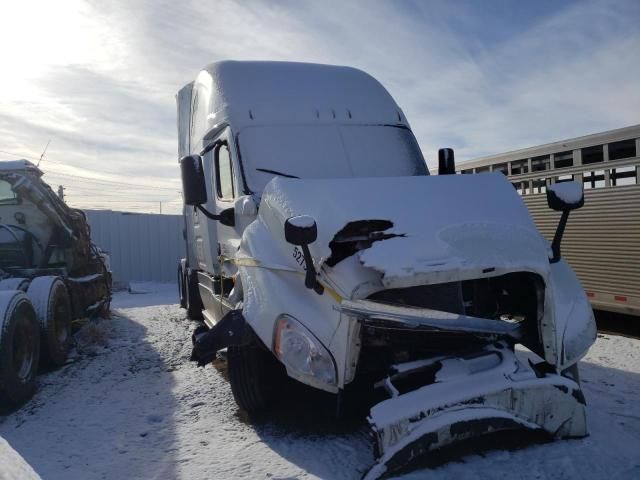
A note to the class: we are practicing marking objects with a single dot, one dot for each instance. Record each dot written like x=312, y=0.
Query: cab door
x=205, y=233
x=226, y=191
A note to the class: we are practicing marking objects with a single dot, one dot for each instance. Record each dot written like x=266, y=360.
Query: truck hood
x=411, y=230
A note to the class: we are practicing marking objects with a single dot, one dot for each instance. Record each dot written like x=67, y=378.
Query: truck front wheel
x=182, y=283
x=194, y=302
x=255, y=375
x=19, y=348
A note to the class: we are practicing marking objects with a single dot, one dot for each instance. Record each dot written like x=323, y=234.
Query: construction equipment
x=50, y=274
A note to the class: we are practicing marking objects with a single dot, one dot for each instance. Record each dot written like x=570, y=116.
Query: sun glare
x=38, y=34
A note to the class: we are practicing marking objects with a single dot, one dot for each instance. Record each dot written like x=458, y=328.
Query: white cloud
x=99, y=78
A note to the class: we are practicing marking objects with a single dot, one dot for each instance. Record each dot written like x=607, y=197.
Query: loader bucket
x=483, y=393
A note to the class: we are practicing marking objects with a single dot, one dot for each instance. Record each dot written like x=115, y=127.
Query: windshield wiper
x=275, y=172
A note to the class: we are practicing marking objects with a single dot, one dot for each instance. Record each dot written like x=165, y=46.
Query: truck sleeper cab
x=318, y=244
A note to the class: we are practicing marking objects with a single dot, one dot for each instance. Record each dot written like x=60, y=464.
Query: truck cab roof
x=250, y=93
x=23, y=166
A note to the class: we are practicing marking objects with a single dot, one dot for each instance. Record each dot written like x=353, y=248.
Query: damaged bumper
x=468, y=396
x=392, y=316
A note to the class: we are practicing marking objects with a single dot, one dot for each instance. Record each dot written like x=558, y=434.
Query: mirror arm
x=228, y=219
x=206, y=212
x=557, y=238
x=310, y=280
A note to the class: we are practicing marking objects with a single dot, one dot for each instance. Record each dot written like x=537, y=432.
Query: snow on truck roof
x=18, y=165
x=255, y=92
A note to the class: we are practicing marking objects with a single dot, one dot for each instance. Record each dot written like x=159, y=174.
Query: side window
x=7, y=196
x=224, y=173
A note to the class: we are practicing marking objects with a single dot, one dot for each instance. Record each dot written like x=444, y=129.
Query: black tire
x=19, y=349
x=182, y=284
x=255, y=376
x=194, y=302
x=51, y=302
x=14, y=283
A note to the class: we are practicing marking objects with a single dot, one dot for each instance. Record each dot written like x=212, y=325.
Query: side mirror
x=227, y=217
x=446, y=162
x=565, y=196
x=194, y=187
x=194, y=190
x=301, y=231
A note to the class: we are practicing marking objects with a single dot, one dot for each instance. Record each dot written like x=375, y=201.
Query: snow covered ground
x=129, y=404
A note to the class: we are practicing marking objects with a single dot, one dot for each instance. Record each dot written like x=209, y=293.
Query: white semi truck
x=319, y=247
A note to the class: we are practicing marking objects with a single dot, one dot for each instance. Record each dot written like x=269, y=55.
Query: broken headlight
x=305, y=358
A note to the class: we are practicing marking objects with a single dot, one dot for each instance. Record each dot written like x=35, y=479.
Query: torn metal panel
x=356, y=236
x=469, y=397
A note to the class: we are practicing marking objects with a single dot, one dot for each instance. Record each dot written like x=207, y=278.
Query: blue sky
x=98, y=78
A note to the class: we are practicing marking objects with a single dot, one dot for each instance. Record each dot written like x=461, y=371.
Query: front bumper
x=470, y=396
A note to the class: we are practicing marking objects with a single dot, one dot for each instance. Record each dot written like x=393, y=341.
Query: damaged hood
x=424, y=229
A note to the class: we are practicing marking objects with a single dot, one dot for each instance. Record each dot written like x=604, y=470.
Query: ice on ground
x=137, y=408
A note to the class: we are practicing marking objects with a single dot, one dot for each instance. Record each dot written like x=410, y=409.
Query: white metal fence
x=142, y=247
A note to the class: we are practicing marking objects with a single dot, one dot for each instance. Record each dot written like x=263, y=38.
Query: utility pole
x=61, y=190
x=160, y=207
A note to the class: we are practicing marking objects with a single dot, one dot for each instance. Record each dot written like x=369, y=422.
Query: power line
x=87, y=179
x=95, y=190
x=109, y=182
x=74, y=192
x=120, y=201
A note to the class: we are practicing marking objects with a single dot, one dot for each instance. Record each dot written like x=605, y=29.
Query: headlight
x=305, y=358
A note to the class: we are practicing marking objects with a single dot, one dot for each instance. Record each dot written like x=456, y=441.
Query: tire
x=255, y=376
x=182, y=284
x=14, y=283
x=19, y=348
x=51, y=302
x=194, y=302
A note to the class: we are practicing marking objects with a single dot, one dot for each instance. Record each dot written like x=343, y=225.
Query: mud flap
x=470, y=396
x=230, y=330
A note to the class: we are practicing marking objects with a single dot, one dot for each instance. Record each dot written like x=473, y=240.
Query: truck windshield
x=328, y=151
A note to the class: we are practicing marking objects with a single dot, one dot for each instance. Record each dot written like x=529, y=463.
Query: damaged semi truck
x=50, y=274
x=319, y=245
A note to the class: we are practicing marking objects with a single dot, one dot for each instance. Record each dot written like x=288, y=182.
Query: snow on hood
x=452, y=222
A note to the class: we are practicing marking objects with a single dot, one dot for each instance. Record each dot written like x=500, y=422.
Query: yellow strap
x=252, y=262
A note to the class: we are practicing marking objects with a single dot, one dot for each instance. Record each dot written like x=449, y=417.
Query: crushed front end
x=457, y=315
x=460, y=378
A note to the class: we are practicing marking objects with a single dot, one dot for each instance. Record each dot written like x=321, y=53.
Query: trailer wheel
x=53, y=309
x=19, y=348
x=255, y=375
